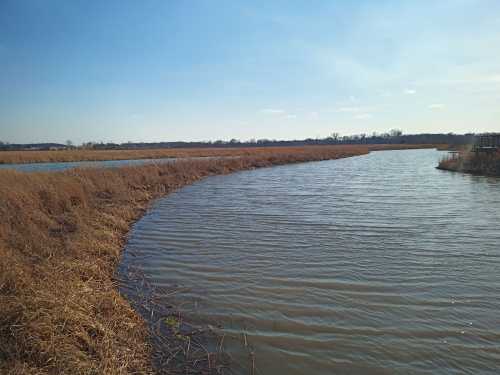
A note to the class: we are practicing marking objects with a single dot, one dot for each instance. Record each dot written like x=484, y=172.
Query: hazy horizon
x=165, y=71
x=242, y=141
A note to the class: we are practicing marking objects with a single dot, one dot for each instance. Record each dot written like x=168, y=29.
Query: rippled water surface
x=372, y=264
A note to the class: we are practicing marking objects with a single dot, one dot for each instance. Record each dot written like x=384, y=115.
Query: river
x=375, y=264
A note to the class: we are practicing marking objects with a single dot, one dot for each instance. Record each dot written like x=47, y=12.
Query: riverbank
x=60, y=242
x=25, y=157
x=487, y=164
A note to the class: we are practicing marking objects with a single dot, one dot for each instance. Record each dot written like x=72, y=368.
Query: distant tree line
x=6, y=146
x=394, y=136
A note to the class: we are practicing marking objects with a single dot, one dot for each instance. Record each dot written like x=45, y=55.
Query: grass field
x=61, y=235
x=23, y=157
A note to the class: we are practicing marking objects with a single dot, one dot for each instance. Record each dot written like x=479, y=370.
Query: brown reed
x=22, y=157
x=479, y=163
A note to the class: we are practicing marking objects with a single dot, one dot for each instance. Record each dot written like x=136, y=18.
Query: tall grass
x=60, y=240
x=21, y=157
x=481, y=163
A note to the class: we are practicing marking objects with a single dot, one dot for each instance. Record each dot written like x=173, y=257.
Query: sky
x=122, y=70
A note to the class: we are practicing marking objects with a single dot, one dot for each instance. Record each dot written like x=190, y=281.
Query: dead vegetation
x=480, y=163
x=22, y=157
x=61, y=235
x=177, y=345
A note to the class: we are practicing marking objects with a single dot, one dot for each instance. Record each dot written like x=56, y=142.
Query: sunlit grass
x=21, y=157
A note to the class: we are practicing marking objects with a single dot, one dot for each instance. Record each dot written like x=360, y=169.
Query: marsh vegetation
x=481, y=163
x=75, y=155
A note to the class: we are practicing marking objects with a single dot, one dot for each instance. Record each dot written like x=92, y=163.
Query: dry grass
x=448, y=147
x=487, y=164
x=22, y=157
x=60, y=240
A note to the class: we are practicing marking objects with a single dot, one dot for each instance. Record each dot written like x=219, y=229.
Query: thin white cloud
x=410, y=91
x=291, y=116
x=470, y=80
x=352, y=109
x=436, y=106
x=363, y=116
x=313, y=114
x=272, y=111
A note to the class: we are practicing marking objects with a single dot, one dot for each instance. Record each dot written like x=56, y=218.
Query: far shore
x=76, y=155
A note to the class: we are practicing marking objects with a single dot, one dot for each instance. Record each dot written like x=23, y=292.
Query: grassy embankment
x=61, y=235
x=487, y=164
x=23, y=157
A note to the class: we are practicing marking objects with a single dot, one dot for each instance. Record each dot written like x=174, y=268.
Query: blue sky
x=195, y=70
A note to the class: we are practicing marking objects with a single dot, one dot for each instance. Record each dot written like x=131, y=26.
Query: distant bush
x=483, y=163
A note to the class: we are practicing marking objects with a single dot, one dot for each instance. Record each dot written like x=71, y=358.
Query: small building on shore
x=487, y=142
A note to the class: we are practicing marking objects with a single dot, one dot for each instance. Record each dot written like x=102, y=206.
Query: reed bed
x=23, y=157
x=61, y=235
x=480, y=163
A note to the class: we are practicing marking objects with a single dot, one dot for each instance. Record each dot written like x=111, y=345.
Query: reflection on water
x=372, y=264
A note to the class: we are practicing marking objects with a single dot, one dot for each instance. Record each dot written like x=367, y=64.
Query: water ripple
x=375, y=264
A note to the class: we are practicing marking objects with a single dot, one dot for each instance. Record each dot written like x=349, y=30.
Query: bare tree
x=396, y=132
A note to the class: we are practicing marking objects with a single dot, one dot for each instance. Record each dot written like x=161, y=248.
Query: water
x=61, y=166
x=372, y=264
